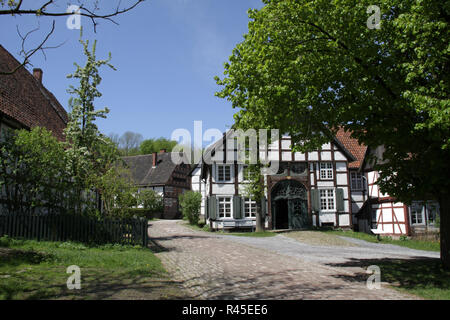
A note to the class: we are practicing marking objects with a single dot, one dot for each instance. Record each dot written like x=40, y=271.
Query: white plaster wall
x=341, y=178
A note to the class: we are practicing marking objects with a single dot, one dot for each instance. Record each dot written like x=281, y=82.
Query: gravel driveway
x=214, y=266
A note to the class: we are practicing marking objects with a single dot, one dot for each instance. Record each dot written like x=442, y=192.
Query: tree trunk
x=444, y=204
x=259, y=219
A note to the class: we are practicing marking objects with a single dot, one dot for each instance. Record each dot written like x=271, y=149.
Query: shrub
x=150, y=200
x=190, y=203
x=5, y=241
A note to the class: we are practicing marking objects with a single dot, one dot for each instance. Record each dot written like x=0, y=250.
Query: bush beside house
x=190, y=203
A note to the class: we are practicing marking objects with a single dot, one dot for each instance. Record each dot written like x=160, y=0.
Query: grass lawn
x=37, y=270
x=421, y=276
x=318, y=238
x=413, y=244
x=240, y=234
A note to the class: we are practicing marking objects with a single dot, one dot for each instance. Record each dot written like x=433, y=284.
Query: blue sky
x=166, y=52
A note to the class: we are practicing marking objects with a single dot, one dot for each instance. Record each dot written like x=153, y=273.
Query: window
x=326, y=170
x=374, y=219
x=424, y=212
x=432, y=212
x=327, y=199
x=224, y=207
x=417, y=213
x=223, y=173
x=250, y=208
x=357, y=182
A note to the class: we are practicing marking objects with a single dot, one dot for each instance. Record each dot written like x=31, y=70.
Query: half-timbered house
x=334, y=186
x=383, y=214
x=309, y=189
x=159, y=173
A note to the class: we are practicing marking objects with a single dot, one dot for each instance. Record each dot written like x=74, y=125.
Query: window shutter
x=263, y=207
x=315, y=200
x=340, y=199
x=237, y=207
x=207, y=207
x=212, y=207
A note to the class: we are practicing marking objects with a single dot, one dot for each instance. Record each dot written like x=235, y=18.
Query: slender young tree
x=83, y=138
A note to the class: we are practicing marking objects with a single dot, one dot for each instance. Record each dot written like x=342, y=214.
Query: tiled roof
x=25, y=100
x=353, y=146
x=143, y=173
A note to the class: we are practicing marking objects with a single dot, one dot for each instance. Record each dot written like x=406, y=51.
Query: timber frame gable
x=313, y=188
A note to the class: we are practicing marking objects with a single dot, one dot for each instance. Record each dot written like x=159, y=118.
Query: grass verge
x=409, y=243
x=37, y=270
x=423, y=277
x=239, y=234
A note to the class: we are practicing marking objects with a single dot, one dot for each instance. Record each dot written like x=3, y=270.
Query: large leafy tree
x=149, y=146
x=310, y=67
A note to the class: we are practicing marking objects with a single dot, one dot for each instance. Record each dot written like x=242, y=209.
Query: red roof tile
x=25, y=100
x=352, y=145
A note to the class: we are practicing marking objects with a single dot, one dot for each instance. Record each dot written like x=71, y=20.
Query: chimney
x=154, y=159
x=37, y=73
x=163, y=151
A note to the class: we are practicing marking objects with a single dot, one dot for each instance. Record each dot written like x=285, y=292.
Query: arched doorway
x=289, y=203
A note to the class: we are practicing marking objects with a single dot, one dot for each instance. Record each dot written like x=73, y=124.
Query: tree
x=129, y=143
x=57, y=9
x=254, y=189
x=190, y=203
x=311, y=67
x=149, y=146
x=117, y=190
x=150, y=200
x=83, y=139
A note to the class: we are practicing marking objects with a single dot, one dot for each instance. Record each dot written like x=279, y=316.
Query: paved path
x=212, y=266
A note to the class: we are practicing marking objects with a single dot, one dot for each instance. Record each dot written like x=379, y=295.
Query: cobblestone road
x=220, y=267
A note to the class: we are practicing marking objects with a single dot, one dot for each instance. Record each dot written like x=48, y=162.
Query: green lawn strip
x=37, y=270
x=422, y=277
x=263, y=234
x=249, y=234
x=409, y=243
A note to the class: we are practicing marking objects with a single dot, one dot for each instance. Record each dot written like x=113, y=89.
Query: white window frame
x=356, y=181
x=421, y=213
x=217, y=173
x=228, y=200
x=327, y=199
x=252, y=205
x=328, y=170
